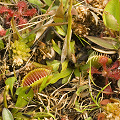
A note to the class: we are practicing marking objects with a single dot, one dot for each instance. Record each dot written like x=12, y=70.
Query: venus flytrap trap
x=94, y=58
x=41, y=77
x=36, y=77
x=112, y=72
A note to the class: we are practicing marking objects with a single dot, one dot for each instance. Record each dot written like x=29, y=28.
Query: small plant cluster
x=19, y=14
x=108, y=72
x=111, y=109
x=20, y=52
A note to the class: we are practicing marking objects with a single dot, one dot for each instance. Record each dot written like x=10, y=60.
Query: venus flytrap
x=41, y=77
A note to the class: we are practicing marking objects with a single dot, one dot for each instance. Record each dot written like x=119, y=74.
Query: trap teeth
x=95, y=59
x=35, y=77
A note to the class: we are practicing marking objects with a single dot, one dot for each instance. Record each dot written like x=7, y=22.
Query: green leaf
x=59, y=15
x=60, y=30
x=111, y=15
x=28, y=38
x=64, y=65
x=44, y=82
x=72, y=47
x=81, y=88
x=10, y=81
x=77, y=72
x=54, y=64
x=110, y=21
x=77, y=109
x=56, y=48
x=6, y=114
x=14, y=28
x=109, y=44
x=41, y=115
x=20, y=116
x=23, y=98
x=36, y=2
x=48, y=2
x=89, y=118
x=65, y=80
x=51, y=115
x=1, y=44
x=60, y=75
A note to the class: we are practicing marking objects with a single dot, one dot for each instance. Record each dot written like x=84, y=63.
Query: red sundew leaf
x=21, y=6
x=105, y=102
x=103, y=61
x=22, y=21
x=108, y=90
x=30, y=12
x=115, y=65
x=114, y=74
x=3, y=9
x=95, y=70
x=101, y=116
x=2, y=32
x=10, y=13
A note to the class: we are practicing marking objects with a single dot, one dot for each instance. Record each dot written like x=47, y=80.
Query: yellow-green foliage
x=112, y=111
x=20, y=52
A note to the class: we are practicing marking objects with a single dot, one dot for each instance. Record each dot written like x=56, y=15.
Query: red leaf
x=101, y=116
x=2, y=32
x=21, y=5
x=22, y=21
x=105, y=102
x=108, y=90
x=103, y=60
x=95, y=70
x=3, y=9
x=30, y=12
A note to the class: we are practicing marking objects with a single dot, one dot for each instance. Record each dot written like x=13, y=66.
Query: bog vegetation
x=59, y=59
